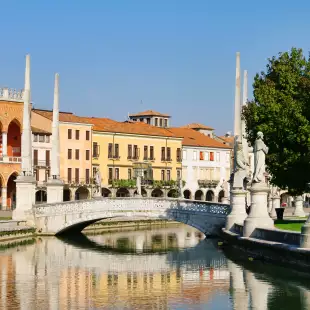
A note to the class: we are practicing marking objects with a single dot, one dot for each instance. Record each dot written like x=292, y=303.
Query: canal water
x=158, y=268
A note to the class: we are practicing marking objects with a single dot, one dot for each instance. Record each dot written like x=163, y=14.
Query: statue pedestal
x=269, y=204
x=275, y=204
x=299, y=208
x=225, y=200
x=25, y=199
x=55, y=189
x=305, y=235
x=238, y=212
x=96, y=194
x=258, y=217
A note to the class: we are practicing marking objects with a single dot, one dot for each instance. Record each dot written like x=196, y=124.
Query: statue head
x=260, y=135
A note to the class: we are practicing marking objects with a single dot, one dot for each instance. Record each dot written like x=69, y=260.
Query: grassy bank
x=293, y=225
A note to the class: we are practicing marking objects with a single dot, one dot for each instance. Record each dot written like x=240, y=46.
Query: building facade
x=151, y=118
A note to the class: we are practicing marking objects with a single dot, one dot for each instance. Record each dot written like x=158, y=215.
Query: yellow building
x=75, y=151
x=121, y=151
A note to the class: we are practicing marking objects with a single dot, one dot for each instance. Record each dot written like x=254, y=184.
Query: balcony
x=114, y=157
x=208, y=183
x=79, y=182
x=10, y=159
x=42, y=163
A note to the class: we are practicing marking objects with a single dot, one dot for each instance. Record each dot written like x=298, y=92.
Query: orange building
x=11, y=119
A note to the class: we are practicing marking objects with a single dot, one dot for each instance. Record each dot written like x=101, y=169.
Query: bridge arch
x=41, y=196
x=173, y=193
x=221, y=195
x=82, y=193
x=74, y=216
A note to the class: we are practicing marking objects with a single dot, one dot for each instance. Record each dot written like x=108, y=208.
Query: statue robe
x=260, y=151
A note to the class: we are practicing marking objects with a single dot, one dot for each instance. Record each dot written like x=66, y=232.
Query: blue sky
x=177, y=56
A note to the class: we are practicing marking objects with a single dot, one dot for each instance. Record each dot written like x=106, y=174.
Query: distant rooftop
x=197, y=126
x=149, y=113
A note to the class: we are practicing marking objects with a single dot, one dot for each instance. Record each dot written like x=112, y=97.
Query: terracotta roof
x=150, y=113
x=37, y=130
x=197, y=126
x=192, y=137
x=227, y=139
x=63, y=116
x=109, y=125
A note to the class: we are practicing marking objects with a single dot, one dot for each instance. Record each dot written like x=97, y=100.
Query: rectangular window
x=77, y=135
x=69, y=153
x=201, y=155
x=37, y=174
x=194, y=155
x=178, y=155
x=217, y=156
x=77, y=175
x=184, y=155
x=148, y=121
x=178, y=174
x=211, y=156
x=95, y=149
x=160, y=122
x=116, y=149
x=69, y=175
x=168, y=153
x=163, y=175
x=35, y=157
x=156, y=122
x=163, y=153
x=69, y=134
x=87, y=135
x=145, y=152
x=110, y=174
x=94, y=171
x=110, y=150
x=151, y=152
x=116, y=173
x=166, y=123
x=129, y=174
x=77, y=154
x=227, y=157
x=47, y=158
x=135, y=152
x=129, y=156
x=87, y=177
x=168, y=175
x=41, y=138
x=35, y=138
x=47, y=139
x=87, y=155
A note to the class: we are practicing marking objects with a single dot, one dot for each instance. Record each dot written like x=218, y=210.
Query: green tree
x=281, y=110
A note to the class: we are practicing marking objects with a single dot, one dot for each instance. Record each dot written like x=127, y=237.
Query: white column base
x=305, y=235
x=4, y=196
x=258, y=217
x=55, y=189
x=225, y=200
x=25, y=199
x=275, y=204
x=299, y=210
x=269, y=205
x=238, y=211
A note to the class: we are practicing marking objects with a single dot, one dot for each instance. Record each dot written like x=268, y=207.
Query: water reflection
x=157, y=269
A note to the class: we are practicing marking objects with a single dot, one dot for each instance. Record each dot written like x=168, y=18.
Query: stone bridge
x=63, y=217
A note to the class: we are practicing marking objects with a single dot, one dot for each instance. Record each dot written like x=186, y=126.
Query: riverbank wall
x=270, y=245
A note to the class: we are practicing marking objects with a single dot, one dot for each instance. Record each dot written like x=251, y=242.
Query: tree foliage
x=281, y=110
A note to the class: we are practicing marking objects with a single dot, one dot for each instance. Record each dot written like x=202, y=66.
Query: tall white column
x=54, y=185
x=26, y=134
x=237, y=120
x=55, y=160
x=4, y=144
x=244, y=102
x=25, y=183
x=4, y=198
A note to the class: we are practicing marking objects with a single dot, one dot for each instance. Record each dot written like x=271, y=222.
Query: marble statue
x=240, y=172
x=98, y=181
x=260, y=151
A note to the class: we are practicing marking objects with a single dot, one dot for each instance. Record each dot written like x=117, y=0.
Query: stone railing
x=131, y=205
x=11, y=94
